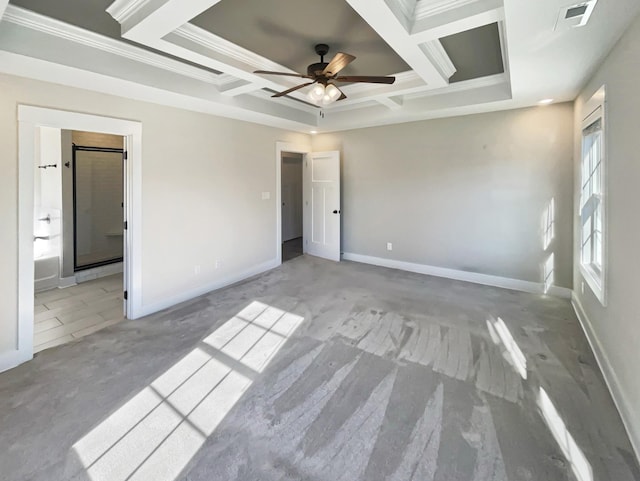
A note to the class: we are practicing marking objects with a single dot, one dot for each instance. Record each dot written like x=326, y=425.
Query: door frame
x=296, y=148
x=29, y=120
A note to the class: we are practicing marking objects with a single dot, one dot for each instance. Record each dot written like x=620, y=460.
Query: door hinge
x=126, y=225
x=126, y=295
x=126, y=155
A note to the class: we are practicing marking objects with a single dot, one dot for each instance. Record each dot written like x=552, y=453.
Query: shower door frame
x=84, y=148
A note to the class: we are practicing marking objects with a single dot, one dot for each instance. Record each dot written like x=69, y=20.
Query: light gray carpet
x=322, y=371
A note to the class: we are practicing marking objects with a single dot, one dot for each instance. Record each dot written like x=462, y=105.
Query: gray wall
x=202, y=179
x=464, y=193
x=615, y=329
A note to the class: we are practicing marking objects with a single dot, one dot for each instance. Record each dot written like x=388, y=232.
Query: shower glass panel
x=97, y=206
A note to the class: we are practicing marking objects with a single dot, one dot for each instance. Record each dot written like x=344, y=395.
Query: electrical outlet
x=196, y=270
x=389, y=246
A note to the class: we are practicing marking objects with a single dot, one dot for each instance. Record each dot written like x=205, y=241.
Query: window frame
x=594, y=275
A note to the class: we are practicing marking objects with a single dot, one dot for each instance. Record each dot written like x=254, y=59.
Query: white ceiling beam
x=163, y=25
x=56, y=28
x=406, y=83
x=391, y=103
x=430, y=25
x=144, y=19
x=241, y=108
x=360, y=100
x=383, y=20
x=238, y=87
x=3, y=6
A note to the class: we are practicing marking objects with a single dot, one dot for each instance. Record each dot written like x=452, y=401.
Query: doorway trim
x=296, y=148
x=29, y=120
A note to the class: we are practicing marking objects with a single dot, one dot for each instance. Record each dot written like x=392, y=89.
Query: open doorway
x=30, y=120
x=291, y=205
x=79, y=207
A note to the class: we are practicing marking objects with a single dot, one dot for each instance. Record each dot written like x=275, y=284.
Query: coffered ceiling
x=450, y=57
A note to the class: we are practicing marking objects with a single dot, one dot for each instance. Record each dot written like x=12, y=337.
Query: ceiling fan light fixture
x=317, y=92
x=333, y=92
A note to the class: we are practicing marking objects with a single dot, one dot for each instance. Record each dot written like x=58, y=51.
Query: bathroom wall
x=47, y=208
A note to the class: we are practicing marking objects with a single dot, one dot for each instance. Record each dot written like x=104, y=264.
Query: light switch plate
x=266, y=195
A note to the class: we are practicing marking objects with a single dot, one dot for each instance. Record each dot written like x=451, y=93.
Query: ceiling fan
x=324, y=75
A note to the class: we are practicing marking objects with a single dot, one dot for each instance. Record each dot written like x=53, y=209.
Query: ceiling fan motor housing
x=316, y=68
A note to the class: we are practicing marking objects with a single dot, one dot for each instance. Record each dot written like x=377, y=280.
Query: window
x=592, y=197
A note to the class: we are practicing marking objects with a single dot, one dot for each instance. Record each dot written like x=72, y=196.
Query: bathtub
x=46, y=273
x=46, y=248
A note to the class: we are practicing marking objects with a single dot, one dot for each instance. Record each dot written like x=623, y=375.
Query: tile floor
x=62, y=315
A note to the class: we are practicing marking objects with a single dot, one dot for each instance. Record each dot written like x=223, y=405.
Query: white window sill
x=595, y=283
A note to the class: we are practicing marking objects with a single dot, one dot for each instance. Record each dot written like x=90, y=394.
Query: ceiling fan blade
x=366, y=78
x=268, y=72
x=292, y=89
x=338, y=62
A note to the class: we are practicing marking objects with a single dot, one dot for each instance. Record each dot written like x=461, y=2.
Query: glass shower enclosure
x=97, y=206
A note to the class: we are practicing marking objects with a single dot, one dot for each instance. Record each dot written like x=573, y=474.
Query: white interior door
x=322, y=204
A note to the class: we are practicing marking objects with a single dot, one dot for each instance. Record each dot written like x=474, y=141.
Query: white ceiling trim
x=239, y=63
x=41, y=23
x=232, y=53
x=382, y=96
x=437, y=55
x=3, y=6
x=383, y=20
x=464, y=86
x=533, y=69
x=123, y=10
x=429, y=8
x=392, y=103
x=404, y=10
x=467, y=15
x=261, y=112
x=406, y=83
x=238, y=89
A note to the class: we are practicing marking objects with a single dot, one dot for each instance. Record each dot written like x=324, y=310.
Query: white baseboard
x=627, y=413
x=11, y=359
x=153, y=307
x=67, y=282
x=476, y=278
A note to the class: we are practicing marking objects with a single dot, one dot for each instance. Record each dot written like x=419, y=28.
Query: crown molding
x=473, y=84
x=226, y=48
x=123, y=10
x=34, y=21
x=429, y=8
x=411, y=91
x=405, y=8
x=3, y=6
x=438, y=56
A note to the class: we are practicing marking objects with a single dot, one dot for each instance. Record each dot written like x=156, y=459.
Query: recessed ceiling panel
x=285, y=31
x=475, y=53
x=90, y=15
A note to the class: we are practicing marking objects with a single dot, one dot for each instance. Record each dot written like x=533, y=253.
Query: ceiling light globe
x=317, y=92
x=333, y=92
x=326, y=100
